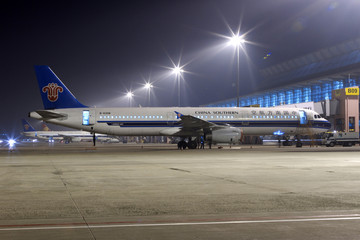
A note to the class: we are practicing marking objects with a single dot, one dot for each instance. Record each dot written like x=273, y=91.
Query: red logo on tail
x=52, y=90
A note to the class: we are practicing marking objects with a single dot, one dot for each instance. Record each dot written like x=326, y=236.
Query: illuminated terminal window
x=338, y=84
x=242, y=103
x=326, y=91
x=316, y=93
x=253, y=101
x=274, y=100
x=289, y=97
x=306, y=94
x=266, y=101
x=297, y=96
x=281, y=98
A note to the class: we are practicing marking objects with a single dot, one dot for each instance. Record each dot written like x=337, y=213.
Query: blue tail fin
x=27, y=127
x=53, y=92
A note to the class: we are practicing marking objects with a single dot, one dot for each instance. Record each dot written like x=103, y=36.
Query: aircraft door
x=303, y=117
x=88, y=117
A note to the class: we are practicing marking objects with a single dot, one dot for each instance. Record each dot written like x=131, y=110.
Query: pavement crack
x=181, y=170
x=72, y=199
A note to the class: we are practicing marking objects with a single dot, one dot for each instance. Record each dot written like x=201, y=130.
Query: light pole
x=148, y=86
x=129, y=95
x=237, y=41
x=177, y=71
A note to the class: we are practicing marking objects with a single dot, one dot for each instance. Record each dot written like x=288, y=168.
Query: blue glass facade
x=316, y=92
x=307, y=70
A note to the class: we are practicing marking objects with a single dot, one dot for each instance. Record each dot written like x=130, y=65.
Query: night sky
x=102, y=49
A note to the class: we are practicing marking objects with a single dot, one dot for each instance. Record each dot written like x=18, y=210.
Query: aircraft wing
x=192, y=124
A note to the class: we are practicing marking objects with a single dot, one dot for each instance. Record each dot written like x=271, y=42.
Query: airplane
x=217, y=125
x=67, y=136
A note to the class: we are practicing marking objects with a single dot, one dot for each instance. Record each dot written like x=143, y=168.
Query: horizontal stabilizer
x=50, y=115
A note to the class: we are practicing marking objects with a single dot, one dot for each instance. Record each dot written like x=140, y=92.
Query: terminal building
x=326, y=81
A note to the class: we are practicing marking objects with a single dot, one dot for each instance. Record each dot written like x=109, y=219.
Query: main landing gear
x=289, y=142
x=191, y=144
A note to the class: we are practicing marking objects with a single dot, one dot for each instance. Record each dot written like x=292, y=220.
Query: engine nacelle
x=76, y=139
x=226, y=135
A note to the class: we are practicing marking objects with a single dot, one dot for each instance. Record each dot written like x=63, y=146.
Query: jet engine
x=226, y=135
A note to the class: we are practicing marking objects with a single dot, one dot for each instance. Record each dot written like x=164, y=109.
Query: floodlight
x=148, y=86
x=236, y=40
x=11, y=143
x=129, y=94
x=177, y=70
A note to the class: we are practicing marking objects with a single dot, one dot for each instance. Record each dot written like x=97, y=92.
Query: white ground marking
x=16, y=228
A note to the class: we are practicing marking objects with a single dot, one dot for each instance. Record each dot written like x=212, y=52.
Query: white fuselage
x=165, y=122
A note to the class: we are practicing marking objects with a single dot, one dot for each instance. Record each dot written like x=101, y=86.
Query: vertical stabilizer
x=53, y=92
x=26, y=126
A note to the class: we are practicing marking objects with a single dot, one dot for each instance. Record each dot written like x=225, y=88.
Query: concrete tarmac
x=123, y=191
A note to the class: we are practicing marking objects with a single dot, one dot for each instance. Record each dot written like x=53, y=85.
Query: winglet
x=27, y=127
x=178, y=115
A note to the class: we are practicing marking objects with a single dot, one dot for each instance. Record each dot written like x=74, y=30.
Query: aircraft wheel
x=192, y=145
x=182, y=144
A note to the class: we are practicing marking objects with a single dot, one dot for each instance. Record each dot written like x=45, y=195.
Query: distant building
x=308, y=82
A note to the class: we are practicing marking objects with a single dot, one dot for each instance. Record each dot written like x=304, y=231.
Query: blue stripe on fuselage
x=242, y=123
